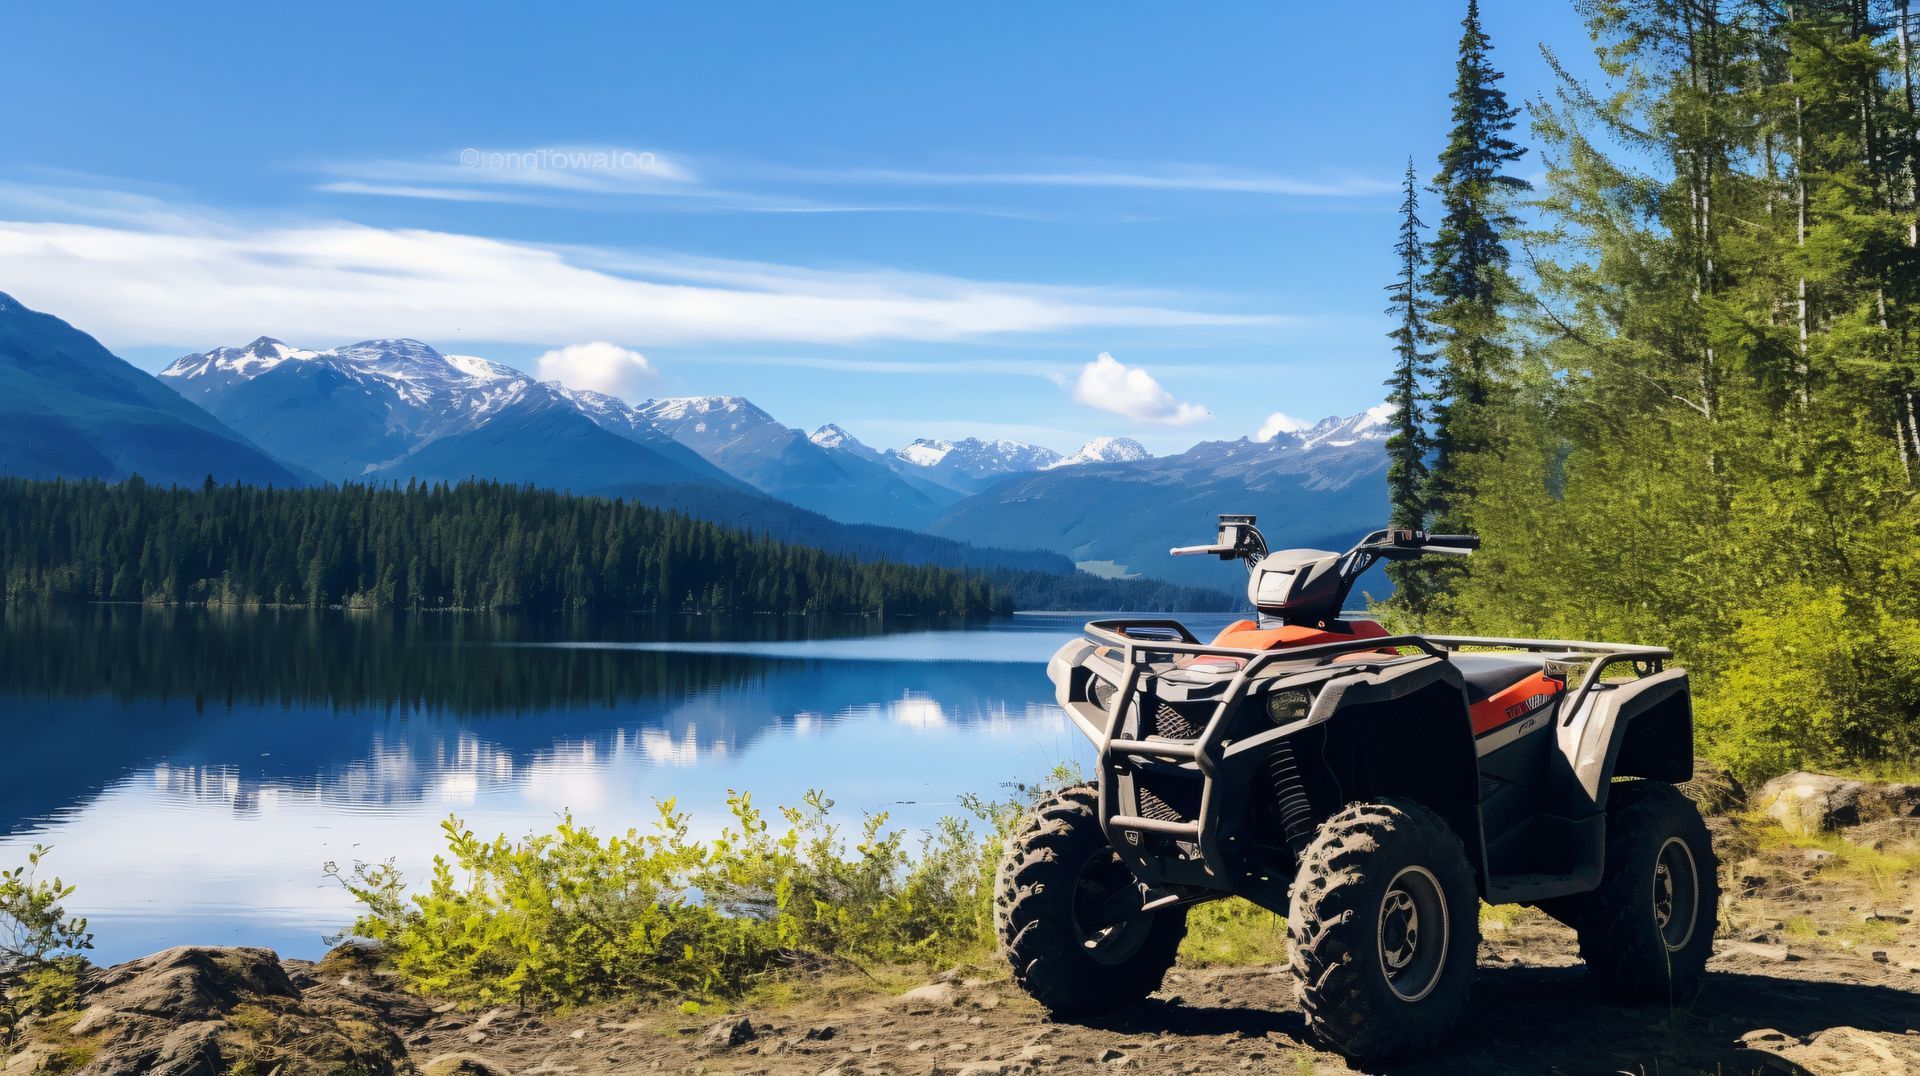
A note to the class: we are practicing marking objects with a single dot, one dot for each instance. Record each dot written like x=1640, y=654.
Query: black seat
x=1486, y=674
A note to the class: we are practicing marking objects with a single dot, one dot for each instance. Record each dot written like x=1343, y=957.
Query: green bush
x=570, y=917
x=40, y=946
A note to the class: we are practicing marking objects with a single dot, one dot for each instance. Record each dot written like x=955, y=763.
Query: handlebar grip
x=1458, y=541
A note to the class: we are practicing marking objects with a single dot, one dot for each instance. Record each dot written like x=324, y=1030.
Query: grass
x=1233, y=932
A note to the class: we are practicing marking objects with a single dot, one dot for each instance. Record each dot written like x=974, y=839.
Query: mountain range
x=70, y=408
x=394, y=410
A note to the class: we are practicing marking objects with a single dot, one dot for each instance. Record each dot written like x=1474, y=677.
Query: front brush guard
x=1174, y=857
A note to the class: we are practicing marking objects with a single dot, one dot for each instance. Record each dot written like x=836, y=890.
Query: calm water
x=193, y=770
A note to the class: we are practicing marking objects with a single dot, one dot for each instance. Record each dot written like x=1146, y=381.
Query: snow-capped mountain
x=830, y=472
x=1104, y=450
x=1333, y=432
x=970, y=464
x=1316, y=487
x=398, y=408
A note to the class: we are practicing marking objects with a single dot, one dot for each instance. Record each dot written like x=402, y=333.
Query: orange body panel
x=1249, y=635
x=1513, y=703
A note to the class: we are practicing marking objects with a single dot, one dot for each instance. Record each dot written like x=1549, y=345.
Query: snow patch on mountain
x=1104, y=450
x=1332, y=432
x=832, y=436
x=976, y=458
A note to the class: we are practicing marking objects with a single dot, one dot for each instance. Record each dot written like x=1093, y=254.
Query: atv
x=1372, y=788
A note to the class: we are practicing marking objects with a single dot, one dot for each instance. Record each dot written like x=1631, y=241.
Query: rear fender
x=1639, y=728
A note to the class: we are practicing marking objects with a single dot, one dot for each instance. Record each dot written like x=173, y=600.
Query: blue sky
x=910, y=220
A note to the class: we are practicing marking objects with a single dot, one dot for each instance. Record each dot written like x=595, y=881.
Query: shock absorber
x=1290, y=797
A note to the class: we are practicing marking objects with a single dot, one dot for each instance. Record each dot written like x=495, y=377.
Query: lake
x=194, y=769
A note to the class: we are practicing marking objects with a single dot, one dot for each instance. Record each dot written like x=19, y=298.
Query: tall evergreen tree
x=1468, y=278
x=1407, y=445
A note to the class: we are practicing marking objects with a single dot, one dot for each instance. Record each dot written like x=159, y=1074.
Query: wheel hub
x=1676, y=893
x=1102, y=895
x=1413, y=933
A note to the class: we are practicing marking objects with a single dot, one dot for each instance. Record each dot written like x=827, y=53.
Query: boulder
x=1817, y=802
x=201, y=1010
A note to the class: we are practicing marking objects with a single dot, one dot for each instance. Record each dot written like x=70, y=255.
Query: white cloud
x=1278, y=423
x=598, y=366
x=1110, y=385
x=146, y=273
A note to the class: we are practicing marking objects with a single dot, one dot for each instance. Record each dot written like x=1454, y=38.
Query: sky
x=1044, y=222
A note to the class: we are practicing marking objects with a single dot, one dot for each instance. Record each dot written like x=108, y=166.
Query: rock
x=1772, y=954
x=1838, y=1051
x=184, y=984
x=461, y=1065
x=821, y=1032
x=196, y=1010
x=929, y=997
x=729, y=1033
x=1816, y=802
x=1111, y=1055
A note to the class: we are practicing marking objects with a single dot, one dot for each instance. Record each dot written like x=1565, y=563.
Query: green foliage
x=1468, y=278
x=571, y=917
x=1705, y=436
x=477, y=545
x=481, y=546
x=1233, y=933
x=39, y=946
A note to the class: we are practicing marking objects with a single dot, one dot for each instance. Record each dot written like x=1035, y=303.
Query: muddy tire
x=1383, y=926
x=1647, y=931
x=1058, y=872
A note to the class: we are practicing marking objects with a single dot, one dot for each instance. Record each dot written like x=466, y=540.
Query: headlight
x=1285, y=707
x=1100, y=693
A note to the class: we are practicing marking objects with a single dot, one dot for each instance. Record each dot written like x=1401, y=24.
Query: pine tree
x=1407, y=445
x=1468, y=278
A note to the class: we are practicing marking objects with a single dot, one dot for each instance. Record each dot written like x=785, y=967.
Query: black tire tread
x=1042, y=950
x=1324, y=920
x=1617, y=940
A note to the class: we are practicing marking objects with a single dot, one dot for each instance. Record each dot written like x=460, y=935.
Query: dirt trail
x=1533, y=1012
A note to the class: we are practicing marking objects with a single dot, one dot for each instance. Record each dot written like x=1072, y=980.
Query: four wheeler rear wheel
x=1647, y=931
x=1384, y=927
x=1060, y=907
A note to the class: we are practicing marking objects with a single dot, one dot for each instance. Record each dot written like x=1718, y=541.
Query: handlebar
x=1458, y=541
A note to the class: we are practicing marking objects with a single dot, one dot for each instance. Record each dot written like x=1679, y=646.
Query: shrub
x=570, y=917
x=40, y=946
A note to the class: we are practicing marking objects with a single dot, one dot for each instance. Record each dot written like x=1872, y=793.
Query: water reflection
x=194, y=769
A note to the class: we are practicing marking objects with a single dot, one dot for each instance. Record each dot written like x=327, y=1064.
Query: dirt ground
x=1812, y=942
x=1817, y=970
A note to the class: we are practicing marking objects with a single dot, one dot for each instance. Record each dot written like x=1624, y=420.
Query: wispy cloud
x=140, y=272
x=1170, y=177
x=562, y=174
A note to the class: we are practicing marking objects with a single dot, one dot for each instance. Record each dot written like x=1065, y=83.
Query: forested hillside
x=478, y=546
x=1675, y=385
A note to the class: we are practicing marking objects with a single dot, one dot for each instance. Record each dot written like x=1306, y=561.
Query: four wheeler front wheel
x=1383, y=929
x=1647, y=931
x=1061, y=910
